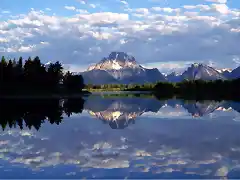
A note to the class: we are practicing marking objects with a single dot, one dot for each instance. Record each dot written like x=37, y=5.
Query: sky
x=167, y=34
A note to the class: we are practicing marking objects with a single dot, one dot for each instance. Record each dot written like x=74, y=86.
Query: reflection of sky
x=85, y=147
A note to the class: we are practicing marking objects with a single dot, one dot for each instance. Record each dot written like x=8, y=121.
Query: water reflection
x=120, y=112
x=33, y=112
x=170, y=138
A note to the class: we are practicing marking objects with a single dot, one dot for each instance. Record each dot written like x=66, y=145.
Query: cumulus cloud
x=82, y=1
x=5, y=12
x=189, y=33
x=218, y=1
x=70, y=8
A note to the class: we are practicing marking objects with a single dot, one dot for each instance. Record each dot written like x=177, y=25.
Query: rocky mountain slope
x=120, y=67
x=174, y=77
x=203, y=72
x=234, y=74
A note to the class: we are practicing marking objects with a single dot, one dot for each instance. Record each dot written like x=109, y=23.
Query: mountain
x=203, y=72
x=98, y=77
x=120, y=67
x=174, y=77
x=235, y=73
x=226, y=72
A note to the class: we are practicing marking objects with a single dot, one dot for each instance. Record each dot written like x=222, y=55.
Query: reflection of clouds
x=108, y=155
x=168, y=112
x=149, y=146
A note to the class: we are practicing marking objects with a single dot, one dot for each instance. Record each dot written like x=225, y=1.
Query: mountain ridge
x=121, y=68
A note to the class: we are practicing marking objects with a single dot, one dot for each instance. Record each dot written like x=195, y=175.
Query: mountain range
x=121, y=68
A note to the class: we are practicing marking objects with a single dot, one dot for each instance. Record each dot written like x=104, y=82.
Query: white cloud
x=82, y=1
x=72, y=8
x=92, y=5
x=218, y=1
x=221, y=8
x=143, y=11
x=124, y=2
x=156, y=34
x=5, y=12
x=166, y=9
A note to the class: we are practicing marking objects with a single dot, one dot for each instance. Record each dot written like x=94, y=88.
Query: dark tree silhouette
x=73, y=83
x=33, y=77
x=198, y=89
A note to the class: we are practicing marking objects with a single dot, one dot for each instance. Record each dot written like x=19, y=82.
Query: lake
x=107, y=136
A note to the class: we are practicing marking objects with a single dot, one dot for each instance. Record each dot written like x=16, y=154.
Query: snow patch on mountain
x=224, y=70
x=115, y=61
x=116, y=65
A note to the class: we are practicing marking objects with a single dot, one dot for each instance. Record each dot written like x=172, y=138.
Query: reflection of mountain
x=117, y=111
x=120, y=112
x=151, y=149
x=198, y=109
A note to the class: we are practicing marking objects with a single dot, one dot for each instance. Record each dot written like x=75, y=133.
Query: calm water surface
x=119, y=137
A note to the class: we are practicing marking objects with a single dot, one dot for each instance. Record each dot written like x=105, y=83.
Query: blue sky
x=168, y=34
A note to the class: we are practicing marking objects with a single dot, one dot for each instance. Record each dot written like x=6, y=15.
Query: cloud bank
x=207, y=32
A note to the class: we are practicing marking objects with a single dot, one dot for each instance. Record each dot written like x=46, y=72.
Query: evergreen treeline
x=31, y=113
x=32, y=76
x=121, y=87
x=199, y=89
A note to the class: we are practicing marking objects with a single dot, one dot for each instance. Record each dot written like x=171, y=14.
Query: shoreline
x=46, y=96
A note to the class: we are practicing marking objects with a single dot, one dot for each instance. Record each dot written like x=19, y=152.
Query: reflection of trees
x=33, y=112
x=73, y=105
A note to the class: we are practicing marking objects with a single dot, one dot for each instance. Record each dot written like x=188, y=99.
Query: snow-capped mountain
x=123, y=68
x=115, y=61
x=203, y=72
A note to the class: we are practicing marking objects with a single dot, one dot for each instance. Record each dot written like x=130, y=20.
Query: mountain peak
x=121, y=56
x=124, y=69
x=199, y=65
x=116, y=61
x=202, y=71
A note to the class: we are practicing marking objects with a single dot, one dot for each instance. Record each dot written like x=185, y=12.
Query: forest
x=33, y=77
x=187, y=89
x=195, y=89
